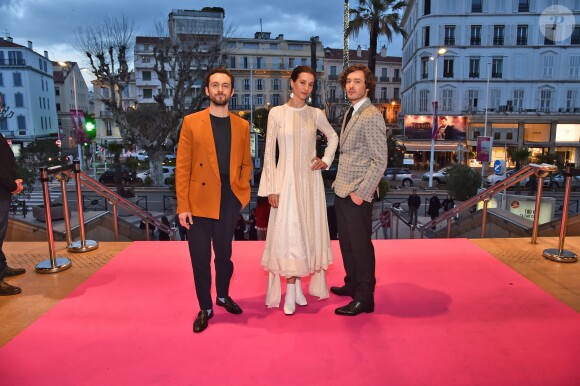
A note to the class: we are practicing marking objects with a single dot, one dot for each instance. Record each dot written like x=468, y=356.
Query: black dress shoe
x=201, y=321
x=342, y=291
x=230, y=305
x=7, y=289
x=354, y=308
x=9, y=271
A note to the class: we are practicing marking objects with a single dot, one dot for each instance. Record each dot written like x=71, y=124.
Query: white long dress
x=298, y=241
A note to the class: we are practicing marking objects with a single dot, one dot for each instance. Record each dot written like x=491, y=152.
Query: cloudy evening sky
x=50, y=25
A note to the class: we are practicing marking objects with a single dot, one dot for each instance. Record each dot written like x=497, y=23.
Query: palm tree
x=380, y=17
x=519, y=156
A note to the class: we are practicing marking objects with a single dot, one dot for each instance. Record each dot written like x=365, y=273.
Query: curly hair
x=370, y=81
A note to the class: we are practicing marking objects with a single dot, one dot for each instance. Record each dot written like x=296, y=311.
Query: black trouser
x=358, y=253
x=4, y=210
x=201, y=235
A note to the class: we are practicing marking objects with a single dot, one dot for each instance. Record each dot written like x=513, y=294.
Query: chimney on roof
x=46, y=54
x=29, y=45
x=9, y=38
x=280, y=37
x=358, y=51
x=384, y=51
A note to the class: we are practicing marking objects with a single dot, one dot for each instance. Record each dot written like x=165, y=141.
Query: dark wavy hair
x=370, y=81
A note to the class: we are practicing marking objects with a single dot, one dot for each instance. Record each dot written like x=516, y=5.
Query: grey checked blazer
x=363, y=153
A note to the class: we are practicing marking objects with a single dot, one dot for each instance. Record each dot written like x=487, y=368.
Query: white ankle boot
x=290, y=301
x=300, y=299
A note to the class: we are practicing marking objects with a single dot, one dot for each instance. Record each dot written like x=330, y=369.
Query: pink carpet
x=447, y=313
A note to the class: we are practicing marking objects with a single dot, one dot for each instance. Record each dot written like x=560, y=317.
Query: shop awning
x=439, y=145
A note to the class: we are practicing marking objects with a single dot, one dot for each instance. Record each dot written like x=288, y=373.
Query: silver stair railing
x=541, y=171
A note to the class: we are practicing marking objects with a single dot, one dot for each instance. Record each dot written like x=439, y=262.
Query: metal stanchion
x=537, y=210
x=53, y=264
x=62, y=178
x=561, y=255
x=115, y=222
x=82, y=245
x=484, y=220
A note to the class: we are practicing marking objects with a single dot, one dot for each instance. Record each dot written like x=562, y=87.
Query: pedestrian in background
x=434, y=207
x=385, y=220
x=414, y=202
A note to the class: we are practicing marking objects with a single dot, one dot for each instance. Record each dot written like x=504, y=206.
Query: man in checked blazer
x=212, y=182
x=362, y=163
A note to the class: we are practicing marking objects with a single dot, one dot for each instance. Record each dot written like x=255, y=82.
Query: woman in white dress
x=298, y=242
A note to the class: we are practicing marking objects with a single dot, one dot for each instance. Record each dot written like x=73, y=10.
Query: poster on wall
x=449, y=127
x=483, y=149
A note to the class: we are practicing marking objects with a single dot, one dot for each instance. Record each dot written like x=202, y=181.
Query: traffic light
x=90, y=127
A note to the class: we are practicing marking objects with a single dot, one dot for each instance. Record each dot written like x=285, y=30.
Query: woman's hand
x=317, y=163
x=273, y=200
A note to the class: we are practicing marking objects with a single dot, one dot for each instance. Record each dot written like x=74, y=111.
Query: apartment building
x=514, y=64
x=27, y=94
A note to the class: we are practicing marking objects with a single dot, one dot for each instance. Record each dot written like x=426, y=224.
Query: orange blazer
x=197, y=176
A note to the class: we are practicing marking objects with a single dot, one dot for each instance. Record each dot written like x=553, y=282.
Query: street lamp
x=484, y=165
x=440, y=53
x=77, y=123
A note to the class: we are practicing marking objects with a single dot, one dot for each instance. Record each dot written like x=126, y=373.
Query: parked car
x=168, y=171
x=494, y=179
x=108, y=177
x=403, y=175
x=558, y=181
x=439, y=177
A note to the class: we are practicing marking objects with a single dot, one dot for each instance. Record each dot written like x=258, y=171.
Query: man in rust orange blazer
x=212, y=179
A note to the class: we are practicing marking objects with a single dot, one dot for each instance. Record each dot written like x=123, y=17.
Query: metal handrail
x=541, y=171
x=118, y=201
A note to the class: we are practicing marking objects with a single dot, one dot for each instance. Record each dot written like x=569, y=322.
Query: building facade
x=387, y=92
x=27, y=92
x=505, y=64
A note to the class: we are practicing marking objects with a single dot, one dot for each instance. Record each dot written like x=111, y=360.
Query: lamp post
x=484, y=165
x=77, y=124
x=440, y=53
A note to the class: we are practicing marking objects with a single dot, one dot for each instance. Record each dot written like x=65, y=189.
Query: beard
x=220, y=99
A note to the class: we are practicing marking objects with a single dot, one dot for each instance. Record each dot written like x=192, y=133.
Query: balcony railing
x=332, y=77
x=498, y=41
x=522, y=41
x=397, y=80
x=384, y=79
x=474, y=74
x=12, y=62
x=449, y=41
x=475, y=41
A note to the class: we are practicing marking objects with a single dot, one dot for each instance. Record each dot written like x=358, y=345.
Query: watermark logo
x=557, y=23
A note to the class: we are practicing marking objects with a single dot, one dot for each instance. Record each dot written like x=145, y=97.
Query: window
x=426, y=33
x=449, y=35
x=549, y=34
x=383, y=93
x=147, y=93
x=548, y=66
x=234, y=102
x=509, y=136
x=523, y=5
x=545, y=100
x=275, y=99
x=424, y=67
x=574, y=72
x=474, y=67
x=259, y=62
x=497, y=135
x=384, y=72
x=17, y=79
x=397, y=77
x=495, y=97
x=475, y=35
x=2, y=78
x=447, y=67
x=571, y=96
x=423, y=100
x=246, y=85
x=497, y=68
x=518, y=99
x=58, y=107
x=21, y=121
x=472, y=99
x=396, y=93
x=498, y=35
x=260, y=100
x=4, y=124
x=40, y=102
x=109, y=128
x=145, y=59
x=332, y=70
x=447, y=100
x=146, y=75
x=275, y=84
x=476, y=6
x=426, y=7
x=19, y=100
x=575, y=38
x=56, y=91
x=246, y=62
x=232, y=62
x=260, y=84
x=522, y=37
x=246, y=102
